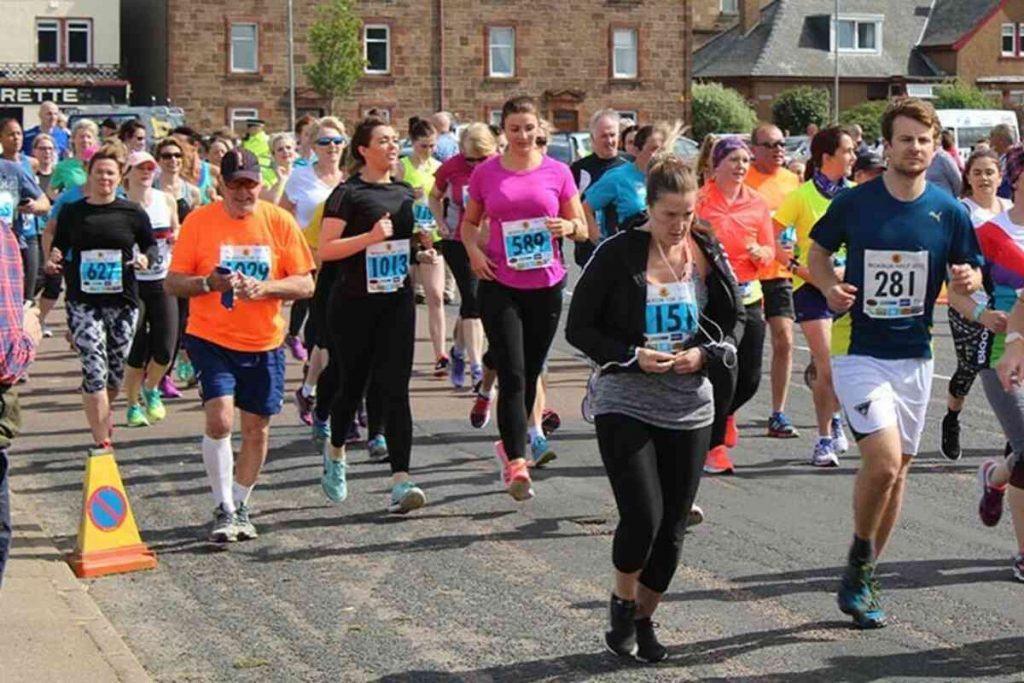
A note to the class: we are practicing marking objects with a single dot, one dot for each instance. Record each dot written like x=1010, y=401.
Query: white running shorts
x=876, y=394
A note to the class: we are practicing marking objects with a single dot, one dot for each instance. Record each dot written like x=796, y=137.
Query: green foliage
x=717, y=109
x=336, y=45
x=961, y=95
x=868, y=115
x=794, y=109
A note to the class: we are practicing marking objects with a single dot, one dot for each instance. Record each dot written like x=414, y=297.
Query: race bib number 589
x=895, y=283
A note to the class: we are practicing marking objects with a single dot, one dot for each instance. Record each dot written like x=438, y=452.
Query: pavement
x=475, y=587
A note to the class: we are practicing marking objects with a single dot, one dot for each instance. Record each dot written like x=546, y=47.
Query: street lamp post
x=291, y=67
x=835, y=55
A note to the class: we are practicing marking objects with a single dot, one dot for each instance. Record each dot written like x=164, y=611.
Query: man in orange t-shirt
x=768, y=176
x=237, y=260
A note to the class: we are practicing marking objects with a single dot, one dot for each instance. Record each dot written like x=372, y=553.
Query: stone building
x=225, y=62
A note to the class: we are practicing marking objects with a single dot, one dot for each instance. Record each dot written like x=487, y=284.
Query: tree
x=717, y=109
x=336, y=44
x=962, y=95
x=867, y=115
x=794, y=109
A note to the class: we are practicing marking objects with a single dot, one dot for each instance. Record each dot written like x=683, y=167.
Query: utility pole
x=835, y=55
x=291, y=67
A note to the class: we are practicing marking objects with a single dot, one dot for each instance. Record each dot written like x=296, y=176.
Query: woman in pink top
x=530, y=201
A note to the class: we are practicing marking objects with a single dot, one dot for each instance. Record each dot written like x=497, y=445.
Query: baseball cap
x=139, y=158
x=240, y=164
x=868, y=161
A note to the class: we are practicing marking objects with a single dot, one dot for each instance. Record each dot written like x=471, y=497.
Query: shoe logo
x=937, y=215
x=863, y=408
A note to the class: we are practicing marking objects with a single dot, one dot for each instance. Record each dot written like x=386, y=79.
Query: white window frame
x=493, y=45
x=78, y=24
x=857, y=19
x=387, y=47
x=494, y=117
x=49, y=24
x=617, y=72
x=239, y=115
x=1013, y=34
x=631, y=114
x=730, y=7
x=234, y=68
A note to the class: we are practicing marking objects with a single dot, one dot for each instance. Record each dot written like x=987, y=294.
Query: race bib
x=895, y=283
x=671, y=316
x=387, y=265
x=7, y=206
x=253, y=260
x=422, y=217
x=465, y=196
x=100, y=271
x=158, y=267
x=527, y=244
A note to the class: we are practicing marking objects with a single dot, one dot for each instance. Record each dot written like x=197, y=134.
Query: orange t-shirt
x=744, y=221
x=774, y=188
x=267, y=244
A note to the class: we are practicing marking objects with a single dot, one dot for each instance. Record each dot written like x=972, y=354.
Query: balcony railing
x=43, y=73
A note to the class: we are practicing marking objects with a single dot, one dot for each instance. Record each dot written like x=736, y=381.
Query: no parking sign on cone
x=108, y=539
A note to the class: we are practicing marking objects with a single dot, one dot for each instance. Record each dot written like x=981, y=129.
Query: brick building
x=711, y=17
x=224, y=61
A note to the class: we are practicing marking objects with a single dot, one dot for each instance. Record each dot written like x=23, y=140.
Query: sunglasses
x=778, y=144
x=339, y=140
x=541, y=142
x=167, y=156
x=474, y=160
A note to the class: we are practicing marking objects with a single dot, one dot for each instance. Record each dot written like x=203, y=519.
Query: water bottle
x=227, y=299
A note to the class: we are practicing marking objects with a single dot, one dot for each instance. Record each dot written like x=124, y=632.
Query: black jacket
x=607, y=314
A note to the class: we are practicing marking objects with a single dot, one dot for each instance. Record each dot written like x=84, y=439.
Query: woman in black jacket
x=656, y=309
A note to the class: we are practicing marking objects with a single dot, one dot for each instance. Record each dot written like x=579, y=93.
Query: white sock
x=308, y=390
x=240, y=493
x=486, y=393
x=534, y=432
x=219, y=462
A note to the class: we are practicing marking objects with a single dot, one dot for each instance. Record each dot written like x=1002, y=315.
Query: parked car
x=798, y=148
x=159, y=120
x=687, y=149
x=971, y=125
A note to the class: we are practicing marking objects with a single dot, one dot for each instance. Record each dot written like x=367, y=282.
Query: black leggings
x=455, y=256
x=157, y=334
x=30, y=266
x=520, y=325
x=379, y=345
x=654, y=475
x=300, y=309
x=749, y=355
x=179, y=343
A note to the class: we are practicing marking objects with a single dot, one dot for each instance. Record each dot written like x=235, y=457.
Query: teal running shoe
x=859, y=597
x=333, y=480
x=378, y=449
x=136, y=416
x=541, y=452
x=406, y=497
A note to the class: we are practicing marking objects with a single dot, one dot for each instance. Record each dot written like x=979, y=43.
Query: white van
x=971, y=125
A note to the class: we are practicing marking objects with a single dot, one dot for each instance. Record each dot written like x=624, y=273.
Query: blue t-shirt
x=16, y=185
x=897, y=256
x=61, y=138
x=447, y=147
x=623, y=187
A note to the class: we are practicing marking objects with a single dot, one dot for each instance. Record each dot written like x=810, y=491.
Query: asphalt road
x=476, y=587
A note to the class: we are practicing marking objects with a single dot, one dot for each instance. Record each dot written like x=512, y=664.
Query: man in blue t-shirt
x=901, y=235
x=49, y=122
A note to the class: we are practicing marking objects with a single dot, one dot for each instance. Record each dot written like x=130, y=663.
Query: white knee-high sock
x=241, y=493
x=220, y=464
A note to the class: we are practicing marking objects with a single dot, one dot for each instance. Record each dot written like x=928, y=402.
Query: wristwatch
x=206, y=285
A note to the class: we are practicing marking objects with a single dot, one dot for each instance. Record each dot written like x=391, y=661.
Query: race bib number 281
x=895, y=283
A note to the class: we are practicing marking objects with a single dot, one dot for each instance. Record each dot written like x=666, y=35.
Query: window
x=501, y=46
x=79, y=32
x=730, y=7
x=494, y=117
x=859, y=34
x=244, y=48
x=624, y=44
x=1009, y=41
x=240, y=116
x=377, y=48
x=630, y=115
x=47, y=41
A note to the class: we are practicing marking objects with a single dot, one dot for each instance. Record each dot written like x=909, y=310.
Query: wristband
x=793, y=265
x=1013, y=337
x=978, y=310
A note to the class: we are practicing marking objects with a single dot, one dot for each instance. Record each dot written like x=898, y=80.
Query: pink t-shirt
x=521, y=196
x=453, y=179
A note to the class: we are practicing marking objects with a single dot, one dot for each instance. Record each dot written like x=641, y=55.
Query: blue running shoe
x=333, y=481
x=780, y=427
x=406, y=497
x=839, y=441
x=321, y=431
x=457, y=368
x=541, y=452
x=858, y=597
x=378, y=448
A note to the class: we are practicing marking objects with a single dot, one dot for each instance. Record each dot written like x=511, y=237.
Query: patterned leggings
x=973, y=344
x=102, y=335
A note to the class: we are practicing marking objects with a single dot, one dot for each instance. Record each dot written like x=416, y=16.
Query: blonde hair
x=85, y=124
x=42, y=137
x=325, y=122
x=278, y=137
x=477, y=140
x=703, y=165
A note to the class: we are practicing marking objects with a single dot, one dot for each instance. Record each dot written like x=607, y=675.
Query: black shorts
x=778, y=298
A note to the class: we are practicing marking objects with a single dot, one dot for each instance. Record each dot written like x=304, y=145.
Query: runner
x=900, y=234
x=49, y=123
x=282, y=149
x=44, y=149
x=604, y=140
x=448, y=204
x=95, y=244
x=235, y=328
x=829, y=165
x=774, y=183
x=25, y=225
x=133, y=134
x=308, y=187
x=973, y=341
x=368, y=228
x=71, y=173
x=739, y=218
x=150, y=356
x=418, y=171
x=531, y=201
x=652, y=399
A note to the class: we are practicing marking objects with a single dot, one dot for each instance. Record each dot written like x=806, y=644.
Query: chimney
x=750, y=15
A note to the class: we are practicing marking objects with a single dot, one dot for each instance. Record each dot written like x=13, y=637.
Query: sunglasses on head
x=337, y=140
x=541, y=142
x=778, y=144
x=167, y=156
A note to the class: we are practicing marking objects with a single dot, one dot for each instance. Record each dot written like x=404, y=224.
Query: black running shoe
x=620, y=639
x=648, y=648
x=950, y=445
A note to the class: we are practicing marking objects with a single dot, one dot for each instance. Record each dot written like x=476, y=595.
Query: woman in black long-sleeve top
x=657, y=309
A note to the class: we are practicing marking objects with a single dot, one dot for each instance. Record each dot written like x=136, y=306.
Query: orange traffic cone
x=108, y=539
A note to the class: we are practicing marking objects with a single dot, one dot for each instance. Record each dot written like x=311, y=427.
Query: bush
x=868, y=115
x=719, y=110
x=960, y=95
x=795, y=109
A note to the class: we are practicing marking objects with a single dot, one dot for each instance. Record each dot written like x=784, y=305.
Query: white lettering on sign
x=39, y=95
